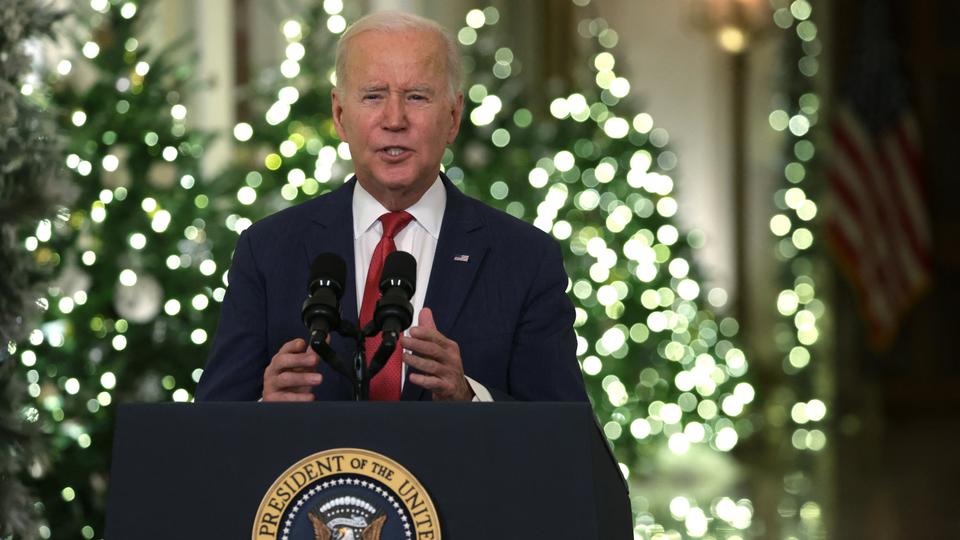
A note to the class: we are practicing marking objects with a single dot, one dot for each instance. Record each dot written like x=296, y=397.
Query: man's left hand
x=438, y=360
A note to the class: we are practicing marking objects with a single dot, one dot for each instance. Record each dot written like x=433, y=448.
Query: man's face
x=395, y=112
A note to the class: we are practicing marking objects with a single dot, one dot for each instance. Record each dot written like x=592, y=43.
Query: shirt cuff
x=480, y=392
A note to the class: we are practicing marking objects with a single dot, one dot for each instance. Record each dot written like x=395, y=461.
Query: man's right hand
x=292, y=373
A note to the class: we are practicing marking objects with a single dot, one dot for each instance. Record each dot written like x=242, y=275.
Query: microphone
x=321, y=309
x=394, y=313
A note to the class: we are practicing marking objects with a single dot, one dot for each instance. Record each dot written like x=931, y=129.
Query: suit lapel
x=460, y=252
x=331, y=230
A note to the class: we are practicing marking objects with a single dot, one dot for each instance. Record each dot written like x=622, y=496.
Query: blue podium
x=273, y=470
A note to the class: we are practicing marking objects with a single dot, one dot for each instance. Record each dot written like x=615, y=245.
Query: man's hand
x=292, y=374
x=438, y=358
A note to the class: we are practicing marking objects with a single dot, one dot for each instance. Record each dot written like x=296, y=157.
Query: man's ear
x=337, y=112
x=456, y=113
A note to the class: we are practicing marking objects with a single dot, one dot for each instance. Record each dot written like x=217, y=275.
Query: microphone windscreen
x=400, y=266
x=328, y=267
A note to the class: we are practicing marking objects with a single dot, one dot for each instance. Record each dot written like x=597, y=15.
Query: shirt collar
x=428, y=211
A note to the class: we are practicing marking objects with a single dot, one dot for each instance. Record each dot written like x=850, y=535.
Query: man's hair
x=396, y=21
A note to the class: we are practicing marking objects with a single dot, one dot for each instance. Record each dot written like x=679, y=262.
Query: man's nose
x=394, y=114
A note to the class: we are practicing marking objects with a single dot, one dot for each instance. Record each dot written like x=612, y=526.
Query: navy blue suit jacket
x=504, y=303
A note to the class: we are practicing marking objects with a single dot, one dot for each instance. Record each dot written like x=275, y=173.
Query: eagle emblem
x=346, y=518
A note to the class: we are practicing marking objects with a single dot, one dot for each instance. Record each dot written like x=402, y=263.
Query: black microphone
x=394, y=313
x=321, y=309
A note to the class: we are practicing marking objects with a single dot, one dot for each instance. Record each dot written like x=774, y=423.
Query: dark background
x=898, y=445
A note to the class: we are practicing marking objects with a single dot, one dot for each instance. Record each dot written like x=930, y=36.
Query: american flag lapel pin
x=461, y=258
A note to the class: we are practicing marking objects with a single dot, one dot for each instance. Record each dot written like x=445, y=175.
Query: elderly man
x=492, y=318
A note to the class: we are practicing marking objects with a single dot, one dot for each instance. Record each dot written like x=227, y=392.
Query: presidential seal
x=346, y=494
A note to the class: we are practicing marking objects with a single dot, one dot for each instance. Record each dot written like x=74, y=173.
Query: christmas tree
x=131, y=310
x=798, y=408
x=31, y=188
x=662, y=370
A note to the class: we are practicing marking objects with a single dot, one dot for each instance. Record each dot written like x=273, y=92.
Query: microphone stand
x=364, y=373
x=361, y=387
x=359, y=374
x=353, y=373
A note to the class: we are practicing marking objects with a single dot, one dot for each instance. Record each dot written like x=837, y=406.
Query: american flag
x=878, y=223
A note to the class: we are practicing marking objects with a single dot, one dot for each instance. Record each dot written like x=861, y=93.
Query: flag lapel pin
x=461, y=258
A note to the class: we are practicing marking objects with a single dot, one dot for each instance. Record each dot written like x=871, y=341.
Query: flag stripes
x=878, y=222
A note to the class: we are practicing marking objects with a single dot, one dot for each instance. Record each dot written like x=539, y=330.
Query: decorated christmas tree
x=129, y=314
x=798, y=405
x=31, y=188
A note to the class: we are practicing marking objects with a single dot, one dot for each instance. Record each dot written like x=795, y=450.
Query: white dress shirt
x=418, y=238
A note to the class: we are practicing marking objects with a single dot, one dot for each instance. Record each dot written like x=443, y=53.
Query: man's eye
x=417, y=97
x=369, y=97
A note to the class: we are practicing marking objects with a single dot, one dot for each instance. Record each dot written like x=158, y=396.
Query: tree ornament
x=139, y=303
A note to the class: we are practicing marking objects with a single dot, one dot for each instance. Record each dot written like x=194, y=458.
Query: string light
x=797, y=334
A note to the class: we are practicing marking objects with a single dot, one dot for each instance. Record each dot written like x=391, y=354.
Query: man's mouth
x=394, y=150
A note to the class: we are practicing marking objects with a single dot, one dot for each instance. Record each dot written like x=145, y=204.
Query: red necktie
x=385, y=386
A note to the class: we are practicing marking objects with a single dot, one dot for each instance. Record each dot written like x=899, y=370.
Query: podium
x=507, y=470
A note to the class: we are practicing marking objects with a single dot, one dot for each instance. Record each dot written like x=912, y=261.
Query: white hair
x=397, y=21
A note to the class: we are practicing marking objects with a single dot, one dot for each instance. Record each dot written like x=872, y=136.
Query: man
x=492, y=318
